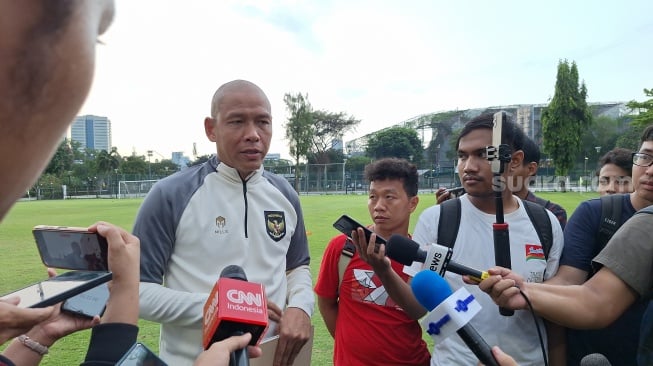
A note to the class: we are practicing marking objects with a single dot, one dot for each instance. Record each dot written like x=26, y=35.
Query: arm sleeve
x=163, y=305
x=155, y=226
x=629, y=254
x=109, y=342
x=4, y=361
x=300, y=293
x=328, y=277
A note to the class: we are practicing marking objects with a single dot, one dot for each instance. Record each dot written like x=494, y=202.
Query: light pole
x=344, y=177
x=149, y=164
x=586, y=174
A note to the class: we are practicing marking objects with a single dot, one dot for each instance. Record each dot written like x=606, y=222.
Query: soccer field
x=20, y=264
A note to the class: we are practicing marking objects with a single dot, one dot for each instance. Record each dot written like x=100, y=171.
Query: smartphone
x=139, y=355
x=346, y=225
x=89, y=303
x=71, y=248
x=456, y=192
x=57, y=289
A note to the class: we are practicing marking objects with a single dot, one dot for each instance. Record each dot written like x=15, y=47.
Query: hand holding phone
x=89, y=303
x=71, y=248
x=139, y=355
x=346, y=225
x=56, y=289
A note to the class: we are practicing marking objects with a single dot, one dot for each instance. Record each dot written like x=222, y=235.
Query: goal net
x=134, y=188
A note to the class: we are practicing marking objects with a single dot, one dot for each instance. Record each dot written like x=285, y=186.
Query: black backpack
x=450, y=221
x=610, y=219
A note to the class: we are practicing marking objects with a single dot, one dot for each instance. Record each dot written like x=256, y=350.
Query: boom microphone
x=450, y=312
x=437, y=258
x=235, y=307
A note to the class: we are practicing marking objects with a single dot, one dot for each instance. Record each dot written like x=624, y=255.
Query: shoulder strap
x=345, y=257
x=540, y=219
x=610, y=219
x=449, y=222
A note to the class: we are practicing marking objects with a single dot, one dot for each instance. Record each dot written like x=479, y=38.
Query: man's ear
x=413, y=201
x=517, y=160
x=532, y=169
x=209, y=128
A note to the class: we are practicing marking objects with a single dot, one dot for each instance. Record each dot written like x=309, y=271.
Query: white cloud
x=381, y=61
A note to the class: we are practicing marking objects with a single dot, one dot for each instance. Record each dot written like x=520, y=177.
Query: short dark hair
x=394, y=168
x=531, y=151
x=647, y=135
x=623, y=158
x=511, y=134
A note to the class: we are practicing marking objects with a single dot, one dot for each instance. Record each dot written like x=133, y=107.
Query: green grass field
x=20, y=263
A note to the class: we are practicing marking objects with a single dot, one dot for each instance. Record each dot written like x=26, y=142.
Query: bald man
x=227, y=211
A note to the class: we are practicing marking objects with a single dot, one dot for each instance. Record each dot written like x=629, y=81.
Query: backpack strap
x=610, y=219
x=449, y=222
x=647, y=210
x=345, y=257
x=540, y=219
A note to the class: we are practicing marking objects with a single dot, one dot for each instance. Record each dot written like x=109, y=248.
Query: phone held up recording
x=346, y=225
x=59, y=288
x=71, y=248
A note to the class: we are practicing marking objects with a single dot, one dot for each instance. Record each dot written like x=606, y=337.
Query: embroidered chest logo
x=275, y=222
x=534, y=251
x=220, y=224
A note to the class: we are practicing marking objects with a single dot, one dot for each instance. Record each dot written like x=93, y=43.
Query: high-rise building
x=179, y=159
x=92, y=132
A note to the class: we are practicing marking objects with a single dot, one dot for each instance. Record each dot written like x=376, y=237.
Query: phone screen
x=139, y=355
x=346, y=225
x=59, y=288
x=89, y=303
x=71, y=248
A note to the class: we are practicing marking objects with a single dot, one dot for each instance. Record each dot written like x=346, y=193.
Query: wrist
x=33, y=345
x=40, y=335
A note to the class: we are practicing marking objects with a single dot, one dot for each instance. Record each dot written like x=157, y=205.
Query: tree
x=134, y=165
x=399, y=142
x=107, y=162
x=645, y=109
x=603, y=134
x=299, y=128
x=327, y=127
x=566, y=118
x=62, y=160
x=200, y=160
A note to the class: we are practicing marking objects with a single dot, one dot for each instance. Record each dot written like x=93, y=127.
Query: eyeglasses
x=642, y=159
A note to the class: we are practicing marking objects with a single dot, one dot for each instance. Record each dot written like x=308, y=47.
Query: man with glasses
x=583, y=241
x=624, y=277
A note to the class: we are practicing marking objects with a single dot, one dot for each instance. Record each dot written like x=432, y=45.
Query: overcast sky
x=381, y=61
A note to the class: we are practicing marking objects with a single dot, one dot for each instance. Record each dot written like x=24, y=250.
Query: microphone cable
x=537, y=325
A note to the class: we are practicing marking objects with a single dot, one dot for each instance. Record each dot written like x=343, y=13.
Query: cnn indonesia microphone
x=449, y=313
x=437, y=258
x=235, y=307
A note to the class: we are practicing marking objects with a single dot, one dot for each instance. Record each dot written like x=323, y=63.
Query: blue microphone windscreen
x=430, y=289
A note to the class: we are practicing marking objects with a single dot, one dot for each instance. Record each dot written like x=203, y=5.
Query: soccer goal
x=134, y=188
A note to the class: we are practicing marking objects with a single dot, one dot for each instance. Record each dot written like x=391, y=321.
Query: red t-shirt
x=370, y=328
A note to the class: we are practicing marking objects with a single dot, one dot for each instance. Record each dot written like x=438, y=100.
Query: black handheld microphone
x=434, y=294
x=233, y=308
x=437, y=258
